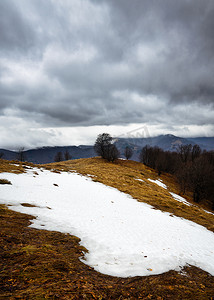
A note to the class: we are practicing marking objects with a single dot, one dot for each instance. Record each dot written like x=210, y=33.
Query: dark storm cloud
x=14, y=31
x=72, y=63
x=180, y=34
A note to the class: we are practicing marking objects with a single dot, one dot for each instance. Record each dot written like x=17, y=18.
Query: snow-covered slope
x=124, y=237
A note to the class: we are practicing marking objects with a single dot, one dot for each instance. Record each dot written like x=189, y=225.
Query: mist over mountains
x=166, y=142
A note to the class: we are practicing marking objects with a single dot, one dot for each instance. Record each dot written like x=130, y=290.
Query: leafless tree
x=67, y=155
x=182, y=174
x=21, y=155
x=128, y=152
x=185, y=152
x=193, y=169
x=111, y=153
x=200, y=174
x=145, y=155
x=103, y=140
x=105, y=148
x=58, y=157
x=149, y=155
x=196, y=152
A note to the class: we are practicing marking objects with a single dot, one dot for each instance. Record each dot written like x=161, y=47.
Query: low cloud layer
x=105, y=63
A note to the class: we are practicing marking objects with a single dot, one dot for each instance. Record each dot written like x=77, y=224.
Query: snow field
x=124, y=237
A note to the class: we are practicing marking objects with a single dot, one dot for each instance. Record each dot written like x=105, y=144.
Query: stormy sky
x=71, y=69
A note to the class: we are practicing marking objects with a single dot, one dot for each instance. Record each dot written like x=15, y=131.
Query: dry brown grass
x=40, y=264
x=4, y=181
x=14, y=166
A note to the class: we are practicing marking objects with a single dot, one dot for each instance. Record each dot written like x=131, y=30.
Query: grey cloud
x=15, y=33
x=185, y=29
x=72, y=63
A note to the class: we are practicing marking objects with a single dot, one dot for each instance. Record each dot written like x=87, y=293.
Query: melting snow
x=158, y=182
x=124, y=237
x=141, y=180
x=209, y=212
x=180, y=199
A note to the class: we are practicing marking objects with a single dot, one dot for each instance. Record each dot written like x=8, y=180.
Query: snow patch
x=158, y=182
x=124, y=237
x=209, y=212
x=180, y=199
x=141, y=180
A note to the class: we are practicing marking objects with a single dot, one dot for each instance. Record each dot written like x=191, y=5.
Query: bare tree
x=145, y=155
x=111, y=153
x=103, y=140
x=185, y=152
x=161, y=161
x=200, y=174
x=149, y=155
x=182, y=174
x=209, y=156
x=67, y=155
x=58, y=157
x=21, y=155
x=128, y=152
x=105, y=148
x=196, y=152
x=193, y=169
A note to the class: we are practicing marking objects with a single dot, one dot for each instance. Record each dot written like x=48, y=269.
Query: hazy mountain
x=47, y=154
x=7, y=154
x=204, y=142
x=167, y=142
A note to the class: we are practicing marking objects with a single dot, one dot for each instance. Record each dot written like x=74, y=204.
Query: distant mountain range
x=166, y=142
x=47, y=154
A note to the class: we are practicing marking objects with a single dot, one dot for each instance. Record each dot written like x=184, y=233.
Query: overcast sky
x=71, y=69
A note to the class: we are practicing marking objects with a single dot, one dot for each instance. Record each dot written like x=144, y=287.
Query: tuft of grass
x=15, y=166
x=29, y=249
x=5, y=181
x=28, y=205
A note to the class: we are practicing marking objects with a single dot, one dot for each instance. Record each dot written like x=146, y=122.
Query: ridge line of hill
x=166, y=142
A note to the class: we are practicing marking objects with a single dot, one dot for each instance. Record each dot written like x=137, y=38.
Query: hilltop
x=49, y=260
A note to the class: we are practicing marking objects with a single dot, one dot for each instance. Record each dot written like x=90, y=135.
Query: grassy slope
x=123, y=174
x=38, y=264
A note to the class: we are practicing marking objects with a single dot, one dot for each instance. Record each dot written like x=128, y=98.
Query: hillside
x=49, y=260
x=132, y=178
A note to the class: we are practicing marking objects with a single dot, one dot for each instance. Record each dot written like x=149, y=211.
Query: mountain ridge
x=168, y=142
